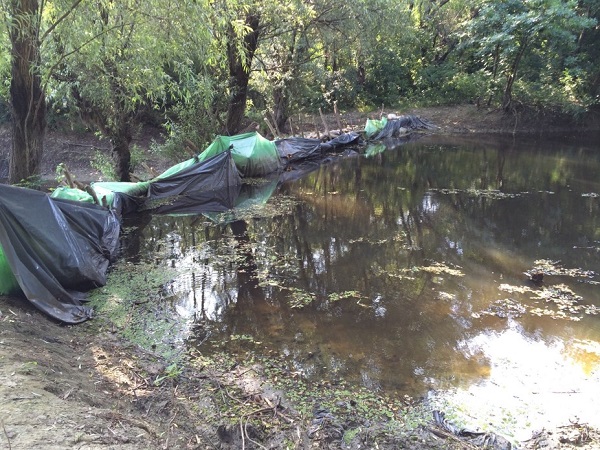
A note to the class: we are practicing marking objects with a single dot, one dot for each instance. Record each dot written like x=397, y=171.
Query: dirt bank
x=87, y=387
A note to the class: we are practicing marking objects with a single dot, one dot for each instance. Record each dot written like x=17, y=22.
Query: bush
x=447, y=85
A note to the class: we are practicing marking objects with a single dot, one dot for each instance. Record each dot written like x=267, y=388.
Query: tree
x=127, y=65
x=28, y=30
x=27, y=99
x=239, y=59
x=505, y=32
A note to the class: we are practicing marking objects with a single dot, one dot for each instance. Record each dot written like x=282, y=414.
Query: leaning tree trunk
x=507, y=100
x=27, y=99
x=239, y=73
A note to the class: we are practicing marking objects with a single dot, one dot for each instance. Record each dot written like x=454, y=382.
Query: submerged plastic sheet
x=211, y=174
x=297, y=149
x=56, y=249
x=200, y=202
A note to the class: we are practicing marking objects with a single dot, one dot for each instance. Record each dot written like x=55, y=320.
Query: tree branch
x=60, y=19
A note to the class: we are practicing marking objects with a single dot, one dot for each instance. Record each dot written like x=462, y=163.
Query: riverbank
x=91, y=387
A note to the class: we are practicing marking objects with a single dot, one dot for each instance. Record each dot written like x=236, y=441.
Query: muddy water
x=407, y=270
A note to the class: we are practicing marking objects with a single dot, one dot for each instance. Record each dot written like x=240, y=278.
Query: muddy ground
x=87, y=387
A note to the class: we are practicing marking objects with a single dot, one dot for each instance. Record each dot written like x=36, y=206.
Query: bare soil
x=85, y=387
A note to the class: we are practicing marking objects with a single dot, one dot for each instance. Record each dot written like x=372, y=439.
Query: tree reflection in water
x=385, y=270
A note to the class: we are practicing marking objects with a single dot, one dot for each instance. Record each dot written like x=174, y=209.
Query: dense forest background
x=204, y=67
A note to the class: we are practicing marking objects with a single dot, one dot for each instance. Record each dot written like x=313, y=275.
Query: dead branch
x=71, y=181
x=6, y=435
x=273, y=132
x=91, y=191
x=192, y=145
x=150, y=170
x=446, y=435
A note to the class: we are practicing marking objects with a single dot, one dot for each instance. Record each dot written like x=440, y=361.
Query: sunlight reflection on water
x=532, y=384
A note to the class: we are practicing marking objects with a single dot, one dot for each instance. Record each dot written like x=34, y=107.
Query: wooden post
x=316, y=128
x=291, y=127
x=153, y=173
x=300, y=125
x=324, y=124
x=337, y=116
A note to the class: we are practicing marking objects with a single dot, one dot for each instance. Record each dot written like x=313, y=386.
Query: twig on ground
x=446, y=435
x=6, y=435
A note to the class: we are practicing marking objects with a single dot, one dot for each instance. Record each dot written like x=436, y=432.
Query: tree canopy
x=201, y=68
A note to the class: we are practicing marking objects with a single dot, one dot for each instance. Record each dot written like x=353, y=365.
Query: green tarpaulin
x=374, y=126
x=106, y=189
x=253, y=154
x=8, y=282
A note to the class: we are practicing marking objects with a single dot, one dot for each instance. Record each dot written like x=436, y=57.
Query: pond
x=462, y=270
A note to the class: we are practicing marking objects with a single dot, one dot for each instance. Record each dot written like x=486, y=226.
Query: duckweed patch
x=130, y=304
x=481, y=193
x=276, y=206
x=565, y=301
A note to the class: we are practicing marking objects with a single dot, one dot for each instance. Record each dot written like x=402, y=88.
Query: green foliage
x=447, y=85
x=104, y=163
x=171, y=372
x=388, y=79
x=535, y=42
x=127, y=303
x=32, y=182
x=117, y=63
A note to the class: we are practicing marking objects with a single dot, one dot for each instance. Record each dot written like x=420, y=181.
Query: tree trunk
x=121, y=140
x=27, y=100
x=507, y=101
x=280, y=107
x=239, y=73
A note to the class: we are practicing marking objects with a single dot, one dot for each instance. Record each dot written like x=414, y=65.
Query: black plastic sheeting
x=343, y=140
x=293, y=150
x=125, y=204
x=214, y=174
x=57, y=249
x=220, y=200
x=399, y=125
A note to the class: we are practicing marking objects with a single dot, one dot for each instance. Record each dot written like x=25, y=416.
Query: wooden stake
x=150, y=170
x=337, y=116
x=324, y=124
x=291, y=127
x=192, y=145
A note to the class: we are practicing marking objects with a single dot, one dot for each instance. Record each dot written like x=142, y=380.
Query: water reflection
x=404, y=271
